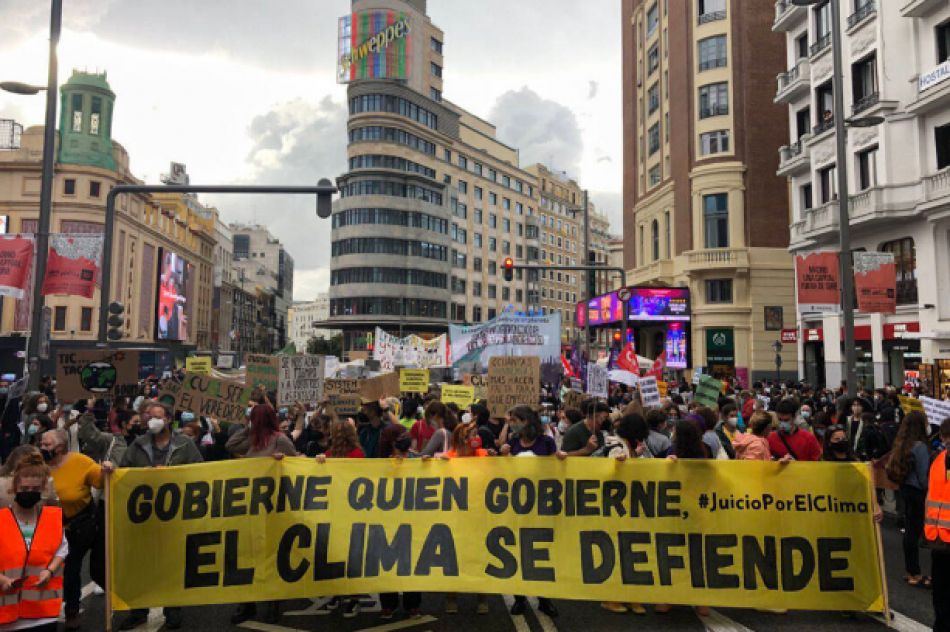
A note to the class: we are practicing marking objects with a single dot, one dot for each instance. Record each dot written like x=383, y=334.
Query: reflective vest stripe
x=935, y=522
x=41, y=595
x=935, y=504
x=31, y=601
x=13, y=573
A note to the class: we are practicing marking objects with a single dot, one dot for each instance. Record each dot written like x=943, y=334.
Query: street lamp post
x=845, y=267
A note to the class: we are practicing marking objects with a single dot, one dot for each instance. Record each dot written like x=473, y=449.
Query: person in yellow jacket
x=33, y=549
x=937, y=532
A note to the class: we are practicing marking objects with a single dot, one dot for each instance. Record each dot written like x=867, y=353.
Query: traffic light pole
x=589, y=270
x=324, y=192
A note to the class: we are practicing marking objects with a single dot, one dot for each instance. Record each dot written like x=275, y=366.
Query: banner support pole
x=108, y=547
x=880, y=552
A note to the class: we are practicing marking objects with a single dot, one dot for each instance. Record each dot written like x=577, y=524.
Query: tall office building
x=263, y=264
x=703, y=208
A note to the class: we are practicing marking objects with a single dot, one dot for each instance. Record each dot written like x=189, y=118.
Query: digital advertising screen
x=174, y=277
x=676, y=345
x=375, y=45
x=601, y=310
x=659, y=304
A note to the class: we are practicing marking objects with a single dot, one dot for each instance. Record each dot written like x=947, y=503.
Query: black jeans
x=940, y=569
x=80, y=536
x=914, y=498
x=410, y=601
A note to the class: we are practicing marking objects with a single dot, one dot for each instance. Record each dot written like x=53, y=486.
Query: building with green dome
x=85, y=124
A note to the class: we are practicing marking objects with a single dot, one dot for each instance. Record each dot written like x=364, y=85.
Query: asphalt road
x=911, y=608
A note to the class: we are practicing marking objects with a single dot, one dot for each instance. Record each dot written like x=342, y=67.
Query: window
x=59, y=319
x=654, y=135
x=477, y=314
x=435, y=94
x=806, y=196
x=801, y=46
x=492, y=291
x=393, y=105
x=506, y=181
x=829, y=184
x=653, y=98
x=435, y=69
x=669, y=241
x=506, y=247
x=478, y=216
x=867, y=168
x=714, y=142
x=493, y=175
x=85, y=323
x=492, y=220
x=823, y=21
x=77, y=112
x=477, y=264
x=478, y=169
x=435, y=45
x=942, y=34
x=478, y=193
x=712, y=53
x=506, y=225
x=642, y=248
x=492, y=268
x=448, y=156
x=463, y=162
x=825, y=102
x=716, y=220
x=95, y=189
x=653, y=59
x=905, y=260
x=492, y=244
x=477, y=240
x=714, y=100
x=711, y=10
x=719, y=291
x=655, y=175
x=493, y=198
x=69, y=187
x=942, y=140
x=476, y=288
x=95, y=116
x=803, y=122
x=463, y=186
x=506, y=294
x=391, y=134
x=506, y=204
x=653, y=19
x=864, y=83
x=656, y=240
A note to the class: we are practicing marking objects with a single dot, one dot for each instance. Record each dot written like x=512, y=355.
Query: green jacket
x=181, y=451
x=97, y=445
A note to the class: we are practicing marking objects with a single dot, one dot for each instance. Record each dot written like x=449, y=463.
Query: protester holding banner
x=909, y=467
x=527, y=435
x=789, y=442
x=159, y=448
x=584, y=438
x=754, y=445
x=728, y=428
x=658, y=440
x=261, y=437
x=33, y=549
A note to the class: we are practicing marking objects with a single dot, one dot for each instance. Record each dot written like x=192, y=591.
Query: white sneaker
x=97, y=590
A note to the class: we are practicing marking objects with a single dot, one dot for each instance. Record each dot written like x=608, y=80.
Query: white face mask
x=156, y=425
x=466, y=418
x=42, y=407
x=563, y=426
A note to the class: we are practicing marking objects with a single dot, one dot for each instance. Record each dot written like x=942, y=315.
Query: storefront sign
x=814, y=335
x=896, y=331
x=790, y=335
x=817, y=277
x=720, y=345
x=936, y=76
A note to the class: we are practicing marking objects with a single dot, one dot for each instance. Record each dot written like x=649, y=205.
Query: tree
x=333, y=346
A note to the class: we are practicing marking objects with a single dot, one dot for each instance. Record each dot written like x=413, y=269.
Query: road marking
x=267, y=627
x=718, y=622
x=400, y=625
x=547, y=623
x=902, y=623
x=368, y=603
x=520, y=624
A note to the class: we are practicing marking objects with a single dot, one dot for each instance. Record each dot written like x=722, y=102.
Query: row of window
x=390, y=217
x=478, y=169
x=60, y=319
x=386, y=246
x=377, y=161
x=392, y=276
x=391, y=135
x=387, y=307
x=95, y=116
x=393, y=105
x=95, y=188
x=394, y=189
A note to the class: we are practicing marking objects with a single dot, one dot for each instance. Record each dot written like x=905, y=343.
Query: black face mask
x=27, y=500
x=136, y=431
x=47, y=455
x=839, y=446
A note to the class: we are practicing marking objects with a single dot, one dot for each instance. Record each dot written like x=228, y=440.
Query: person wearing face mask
x=728, y=428
x=159, y=447
x=33, y=548
x=6, y=477
x=854, y=425
x=789, y=443
x=804, y=419
x=74, y=475
x=98, y=445
x=566, y=419
x=658, y=440
x=584, y=438
x=440, y=423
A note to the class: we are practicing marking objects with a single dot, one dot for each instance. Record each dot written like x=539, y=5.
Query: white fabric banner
x=511, y=335
x=936, y=410
x=623, y=377
x=411, y=352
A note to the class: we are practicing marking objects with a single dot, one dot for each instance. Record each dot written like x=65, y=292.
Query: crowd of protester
x=54, y=456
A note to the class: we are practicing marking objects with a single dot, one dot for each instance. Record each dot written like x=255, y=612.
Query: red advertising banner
x=875, y=281
x=73, y=265
x=817, y=278
x=16, y=258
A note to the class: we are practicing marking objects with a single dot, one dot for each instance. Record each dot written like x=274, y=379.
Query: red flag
x=658, y=366
x=628, y=359
x=568, y=371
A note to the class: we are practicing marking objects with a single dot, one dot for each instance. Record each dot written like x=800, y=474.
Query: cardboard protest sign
x=343, y=397
x=479, y=383
x=650, y=392
x=385, y=385
x=198, y=365
x=596, y=380
x=208, y=396
x=765, y=401
x=414, y=380
x=261, y=370
x=936, y=410
x=300, y=379
x=513, y=381
x=461, y=396
x=707, y=391
x=909, y=405
x=86, y=373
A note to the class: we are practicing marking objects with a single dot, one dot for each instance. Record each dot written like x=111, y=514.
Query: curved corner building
x=431, y=203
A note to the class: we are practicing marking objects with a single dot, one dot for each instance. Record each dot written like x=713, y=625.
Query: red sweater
x=803, y=444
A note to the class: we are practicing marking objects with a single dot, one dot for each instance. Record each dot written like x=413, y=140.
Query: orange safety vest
x=18, y=562
x=937, y=517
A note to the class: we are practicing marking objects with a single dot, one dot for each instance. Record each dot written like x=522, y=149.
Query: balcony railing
x=712, y=16
x=788, y=78
x=789, y=152
x=866, y=102
x=824, y=126
x=822, y=43
x=713, y=110
x=869, y=7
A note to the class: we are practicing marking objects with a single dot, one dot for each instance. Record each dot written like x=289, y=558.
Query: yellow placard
x=662, y=387
x=414, y=380
x=198, y=365
x=461, y=396
x=909, y=405
x=744, y=534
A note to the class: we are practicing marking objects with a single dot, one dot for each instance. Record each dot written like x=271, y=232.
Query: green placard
x=707, y=391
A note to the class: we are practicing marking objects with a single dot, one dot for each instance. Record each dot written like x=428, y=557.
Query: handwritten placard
x=513, y=381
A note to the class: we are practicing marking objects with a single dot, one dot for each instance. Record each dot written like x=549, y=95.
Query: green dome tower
x=85, y=124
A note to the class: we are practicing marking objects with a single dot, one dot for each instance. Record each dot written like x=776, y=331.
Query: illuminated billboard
x=659, y=304
x=676, y=345
x=375, y=45
x=602, y=310
x=174, y=278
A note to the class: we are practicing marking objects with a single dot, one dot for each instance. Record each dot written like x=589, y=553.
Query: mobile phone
x=17, y=584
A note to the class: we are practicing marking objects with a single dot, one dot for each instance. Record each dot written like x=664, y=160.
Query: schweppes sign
x=374, y=45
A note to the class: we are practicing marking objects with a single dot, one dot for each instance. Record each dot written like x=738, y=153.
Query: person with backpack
x=909, y=467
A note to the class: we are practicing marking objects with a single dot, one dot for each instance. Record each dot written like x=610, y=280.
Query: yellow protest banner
x=909, y=405
x=414, y=380
x=742, y=534
x=198, y=365
x=461, y=396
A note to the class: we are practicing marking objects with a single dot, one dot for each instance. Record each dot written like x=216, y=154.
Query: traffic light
x=115, y=321
x=509, y=266
x=617, y=336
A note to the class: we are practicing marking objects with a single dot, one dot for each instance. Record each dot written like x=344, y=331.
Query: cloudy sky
x=245, y=91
